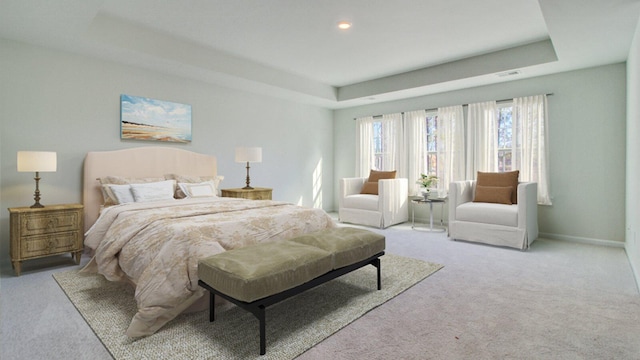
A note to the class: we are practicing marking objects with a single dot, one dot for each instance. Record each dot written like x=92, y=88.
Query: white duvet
x=157, y=245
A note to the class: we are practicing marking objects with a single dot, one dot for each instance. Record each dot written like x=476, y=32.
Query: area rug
x=293, y=326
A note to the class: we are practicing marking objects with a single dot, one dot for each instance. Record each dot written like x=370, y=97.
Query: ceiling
x=293, y=48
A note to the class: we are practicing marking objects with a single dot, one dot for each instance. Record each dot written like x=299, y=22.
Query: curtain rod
x=434, y=109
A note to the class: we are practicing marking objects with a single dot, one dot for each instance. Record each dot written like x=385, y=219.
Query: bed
x=156, y=245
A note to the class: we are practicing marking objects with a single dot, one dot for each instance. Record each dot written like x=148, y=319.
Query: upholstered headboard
x=137, y=162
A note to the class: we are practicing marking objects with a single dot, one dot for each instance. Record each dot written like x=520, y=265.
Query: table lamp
x=248, y=154
x=37, y=161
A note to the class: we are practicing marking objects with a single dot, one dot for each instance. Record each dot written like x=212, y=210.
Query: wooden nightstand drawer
x=251, y=194
x=49, y=222
x=43, y=245
x=50, y=230
x=262, y=195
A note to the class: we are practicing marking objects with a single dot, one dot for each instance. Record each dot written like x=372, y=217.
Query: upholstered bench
x=261, y=275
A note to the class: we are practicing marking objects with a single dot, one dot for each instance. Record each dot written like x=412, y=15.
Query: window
x=379, y=142
x=445, y=144
x=505, y=136
x=432, y=143
x=435, y=145
x=378, y=148
x=383, y=144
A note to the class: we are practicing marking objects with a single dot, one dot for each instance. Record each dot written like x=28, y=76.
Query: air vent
x=509, y=73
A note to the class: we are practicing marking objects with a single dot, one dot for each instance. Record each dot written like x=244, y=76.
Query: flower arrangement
x=427, y=181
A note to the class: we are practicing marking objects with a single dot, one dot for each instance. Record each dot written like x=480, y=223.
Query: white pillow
x=203, y=189
x=107, y=194
x=218, y=180
x=121, y=193
x=161, y=190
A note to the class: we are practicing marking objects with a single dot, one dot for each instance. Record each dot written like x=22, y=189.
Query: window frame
x=506, y=150
x=431, y=143
x=378, y=145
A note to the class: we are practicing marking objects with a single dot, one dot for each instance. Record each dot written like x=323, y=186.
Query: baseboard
x=582, y=240
x=635, y=270
x=636, y=274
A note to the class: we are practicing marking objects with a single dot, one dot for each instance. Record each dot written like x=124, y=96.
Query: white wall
x=52, y=100
x=586, y=142
x=70, y=104
x=632, y=243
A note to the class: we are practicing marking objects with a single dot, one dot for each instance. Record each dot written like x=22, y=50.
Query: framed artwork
x=148, y=119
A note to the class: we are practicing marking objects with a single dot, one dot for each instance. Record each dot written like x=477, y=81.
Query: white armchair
x=513, y=225
x=388, y=208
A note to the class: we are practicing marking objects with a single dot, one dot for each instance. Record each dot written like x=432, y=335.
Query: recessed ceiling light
x=344, y=25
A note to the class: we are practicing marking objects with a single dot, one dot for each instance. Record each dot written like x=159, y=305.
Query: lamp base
x=36, y=194
x=248, y=187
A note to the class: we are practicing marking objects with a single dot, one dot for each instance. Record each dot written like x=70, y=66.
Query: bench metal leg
x=259, y=310
x=212, y=300
x=376, y=263
x=263, y=330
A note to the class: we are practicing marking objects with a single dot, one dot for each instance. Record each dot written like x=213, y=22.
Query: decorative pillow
x=203, y=189
x=120, y=180
x=108, y=197
x=501, y=179
x=370, y=188
x=188, y=178
x=375, y=175
x=493, y=194
x=162, y=190
x=371, y=185
x=193, y=180
x=121, y=193
x=217, y=181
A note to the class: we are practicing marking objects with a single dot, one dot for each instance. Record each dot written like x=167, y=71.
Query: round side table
x=421, y=201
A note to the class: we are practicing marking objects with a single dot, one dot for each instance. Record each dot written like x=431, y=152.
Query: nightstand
x=251, y=194
x=40, y=232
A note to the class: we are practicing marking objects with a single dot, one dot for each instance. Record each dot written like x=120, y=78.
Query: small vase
x=425, y=195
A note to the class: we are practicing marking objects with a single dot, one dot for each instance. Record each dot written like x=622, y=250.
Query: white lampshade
x=32, y=161
x=248, y=154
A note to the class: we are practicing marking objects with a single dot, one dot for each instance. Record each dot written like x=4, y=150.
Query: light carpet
x=293, y=326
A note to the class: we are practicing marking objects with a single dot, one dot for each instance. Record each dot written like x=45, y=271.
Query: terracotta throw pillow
x=371, y=185
x=375, y=175
x=501, y=179
x=493, y=194
x=369, y=188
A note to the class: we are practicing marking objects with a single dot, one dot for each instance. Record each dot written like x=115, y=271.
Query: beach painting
x=148, y=119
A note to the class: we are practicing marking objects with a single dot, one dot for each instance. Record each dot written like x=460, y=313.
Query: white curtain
x=416, y=135
x=393, y=144
x=393, y=154
x=450, y=139
x=364, y=146
x=530, y=126
x=482, y=138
